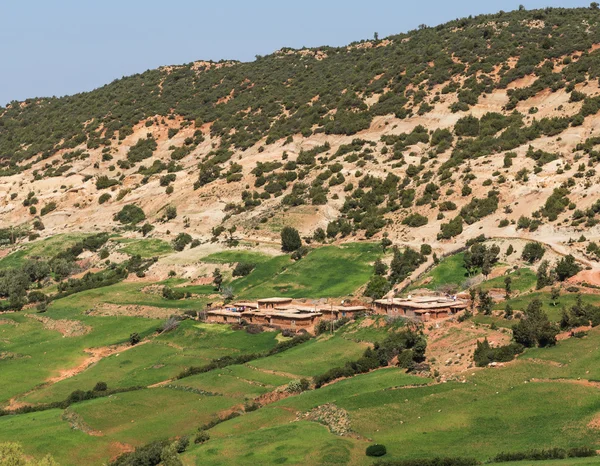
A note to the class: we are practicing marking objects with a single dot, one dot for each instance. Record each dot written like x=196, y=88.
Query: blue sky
x=66, y=46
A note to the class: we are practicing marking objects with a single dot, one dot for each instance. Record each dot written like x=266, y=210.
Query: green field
x=523, y=279
x=145, y=248
x=554, y=311
x=329, y=271
x=538, y=401
x=450, y=271
x=43, y=249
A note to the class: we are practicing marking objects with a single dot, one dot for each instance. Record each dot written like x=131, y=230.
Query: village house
x=282, y=313
x=423, y=308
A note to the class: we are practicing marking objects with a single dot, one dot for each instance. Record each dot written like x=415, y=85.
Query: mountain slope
x=483, y=124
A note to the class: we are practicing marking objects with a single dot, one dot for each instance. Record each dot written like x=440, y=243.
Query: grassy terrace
x=145, y=248
x=452, y=419
x=328, y=271
x=45, y=249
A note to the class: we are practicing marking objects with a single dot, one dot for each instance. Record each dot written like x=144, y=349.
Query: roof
x=246, y=304
x=294, y=315
x=224, y=312
x=296, y=307
x=423, y=302
x=275, y=300
x=343, y=308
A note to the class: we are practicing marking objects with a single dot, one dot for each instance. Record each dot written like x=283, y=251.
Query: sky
x=61, y=47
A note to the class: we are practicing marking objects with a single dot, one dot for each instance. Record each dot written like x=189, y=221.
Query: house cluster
x=287, y=313
x=422, y=308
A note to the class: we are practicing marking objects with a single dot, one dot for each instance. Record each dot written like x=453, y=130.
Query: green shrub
x=130, y=214
x=376, y=450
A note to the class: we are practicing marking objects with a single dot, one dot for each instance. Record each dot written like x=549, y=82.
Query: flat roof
x=224, y=312
x=275, y=300
x=246, y=304
x=343, y=308
x=426, y=302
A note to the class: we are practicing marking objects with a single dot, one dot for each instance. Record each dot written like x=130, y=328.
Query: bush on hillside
x=376, y=450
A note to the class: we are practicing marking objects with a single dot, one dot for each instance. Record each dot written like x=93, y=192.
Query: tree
x=508, y=311
x=385, y=242
x=290, y=239
x=544, y=277
x=134, y=339
x=485, y=302
x=376, y=36
x=217, y=279
x=533, y=252
x=507, y=286
x=566, y=268
x=170, y=213
x=181, y=241
x=377, y=287
x=554, y=294
x=130, y=214
x=380, y=268
x=12, y=454
x=594, y=5
x=319, y=235
x=535, y=328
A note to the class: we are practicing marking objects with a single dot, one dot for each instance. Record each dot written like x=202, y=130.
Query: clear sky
x=63, y=47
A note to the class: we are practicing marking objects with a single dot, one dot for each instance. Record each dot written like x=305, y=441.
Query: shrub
x=48, y=208
x=202, y=437
x=100, y=387
x=134, y=339
x=376, y=450
x=453, y=228
x=533, y=252
x=242, y=269
x=103, y=198
x=415, y=220
x=130, y=214
x=290, y=239
x=181, y=241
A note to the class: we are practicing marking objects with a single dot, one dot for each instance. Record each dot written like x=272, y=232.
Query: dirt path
x=95, y=356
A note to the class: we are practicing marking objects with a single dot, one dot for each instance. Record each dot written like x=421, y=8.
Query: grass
x=143, y=416
x=312, y=358
x=450, y=271
x=238, y=381
x=192, y=344
x=42, y=353
x=523, y=279
x=554, y=311
x=44, y=249
x=234, y=256
x=328, y=271
x=145, y=248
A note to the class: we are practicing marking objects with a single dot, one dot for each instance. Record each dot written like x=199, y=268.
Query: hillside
x=458, y=160
x=481, y=118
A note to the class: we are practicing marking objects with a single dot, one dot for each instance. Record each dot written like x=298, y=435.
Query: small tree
x=508, y=311
x=134, y=339
x=485, y=302
x=290, y=239
x=507, y=286
x=379, y=268
x=217, y=279
x=377, y=287
x=385, y=242
x=554, y=295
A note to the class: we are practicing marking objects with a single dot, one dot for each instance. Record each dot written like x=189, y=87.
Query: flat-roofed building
x=423, y=308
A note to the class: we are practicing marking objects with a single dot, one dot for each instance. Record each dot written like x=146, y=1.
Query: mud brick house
x=423, y=308
x=282, y=313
